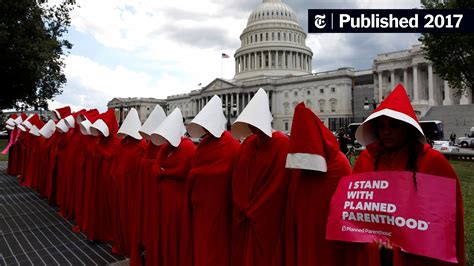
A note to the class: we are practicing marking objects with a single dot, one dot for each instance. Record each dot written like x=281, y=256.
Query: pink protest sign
x=387, y=205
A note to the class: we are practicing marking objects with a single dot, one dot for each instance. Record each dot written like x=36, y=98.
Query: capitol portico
x=273, y=55
x=418, y=75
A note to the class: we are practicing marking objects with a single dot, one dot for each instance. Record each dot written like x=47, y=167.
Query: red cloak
x=85, y=184
x=312, y=183
x=64, y=145
x=101, y=204
x=75, y=165
x=124, y=172
x=24, y=140
x=171, y=170
x=145, y=205
x=430, y=162
x=16, y=150
x=259, y=189
x=207, y=215
x=34, y=156
x=52, y=159
x=84, y=147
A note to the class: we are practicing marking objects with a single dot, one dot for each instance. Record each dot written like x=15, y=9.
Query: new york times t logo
x=320, y=21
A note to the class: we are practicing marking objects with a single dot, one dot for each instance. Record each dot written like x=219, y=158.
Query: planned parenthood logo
x=391, y=20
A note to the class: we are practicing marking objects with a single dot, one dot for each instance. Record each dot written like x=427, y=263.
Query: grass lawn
x=3, y=144
x=465, y=171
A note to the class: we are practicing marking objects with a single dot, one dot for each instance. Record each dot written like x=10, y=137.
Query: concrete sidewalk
x=31, y=232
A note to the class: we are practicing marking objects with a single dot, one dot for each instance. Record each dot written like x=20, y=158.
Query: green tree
x=451, y=53
x=32, y=50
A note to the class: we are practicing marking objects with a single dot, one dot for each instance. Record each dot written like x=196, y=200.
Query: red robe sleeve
x=172, y=164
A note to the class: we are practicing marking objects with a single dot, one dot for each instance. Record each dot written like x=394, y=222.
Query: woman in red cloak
x=124, y=170
x=34, y=147
x=259, y=187
x=145, y=197
x=101, y=206
x=171, y=170
x=207, y=215
x=318, y=165
x=65, y=146
x=395, y=142
x=49, y=154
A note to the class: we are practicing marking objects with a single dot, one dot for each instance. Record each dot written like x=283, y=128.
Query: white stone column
x=283, y=63
x=448, y=99
x=405, y=79
x=262, y=60
x=238, y=102
x=269, y=59
x=255, y=60
x=247, y=65
x=392, y=80
x=380, y=85
x=276, y=59
x=415, y=84
x=431, y=99
x=231, y=102
x=297, y=60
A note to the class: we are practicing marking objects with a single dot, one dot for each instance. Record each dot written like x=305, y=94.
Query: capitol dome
x=272, y=44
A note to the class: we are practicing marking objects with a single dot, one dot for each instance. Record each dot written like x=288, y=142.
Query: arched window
x=333, y=103
x=309, y=104
x=322, y=104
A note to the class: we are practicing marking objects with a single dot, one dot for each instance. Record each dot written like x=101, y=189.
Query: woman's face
x=392, y=133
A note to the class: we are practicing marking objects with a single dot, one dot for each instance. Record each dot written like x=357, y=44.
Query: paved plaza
x=32, y=233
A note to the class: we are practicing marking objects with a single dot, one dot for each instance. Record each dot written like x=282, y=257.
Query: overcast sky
x=150, y=48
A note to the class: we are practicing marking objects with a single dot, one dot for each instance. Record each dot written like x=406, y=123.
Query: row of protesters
x=265, y=201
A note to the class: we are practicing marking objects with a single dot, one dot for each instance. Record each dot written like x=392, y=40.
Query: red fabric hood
x=311, y=143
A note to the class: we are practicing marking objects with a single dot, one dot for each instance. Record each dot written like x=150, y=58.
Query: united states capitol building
x=273, y=56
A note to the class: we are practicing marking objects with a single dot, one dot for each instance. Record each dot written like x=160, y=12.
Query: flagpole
x=222, y=67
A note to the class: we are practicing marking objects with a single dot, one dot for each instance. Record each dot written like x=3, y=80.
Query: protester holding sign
x=395, y=142
x=317, y=165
